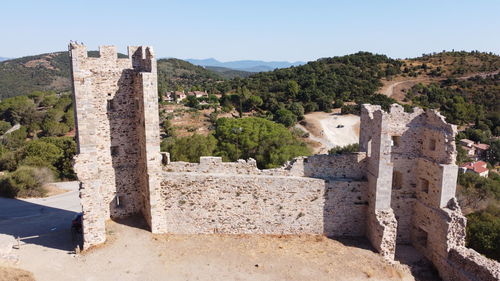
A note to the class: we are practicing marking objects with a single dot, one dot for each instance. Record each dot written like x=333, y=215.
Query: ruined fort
x=399, y=190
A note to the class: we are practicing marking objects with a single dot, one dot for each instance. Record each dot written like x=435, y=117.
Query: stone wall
x=321, y=194
x=348, y=166
x=399, y=190
x=411, y=190
x=116, y=114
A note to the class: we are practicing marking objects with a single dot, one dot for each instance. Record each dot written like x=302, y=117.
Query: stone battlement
x=345, y=166
x=140, y=58
x=400, y=189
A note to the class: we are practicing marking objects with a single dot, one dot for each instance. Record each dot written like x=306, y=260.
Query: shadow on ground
x=39, y=224
x=135, y=221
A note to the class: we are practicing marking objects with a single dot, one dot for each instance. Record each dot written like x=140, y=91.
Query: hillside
x=34, y=73
x=451, y=64
x=437, y=67
x=229, y=73
x=284, y=95
x=52, y=72
x=176, y=74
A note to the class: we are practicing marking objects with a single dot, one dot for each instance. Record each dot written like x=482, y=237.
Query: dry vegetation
x=15, y=274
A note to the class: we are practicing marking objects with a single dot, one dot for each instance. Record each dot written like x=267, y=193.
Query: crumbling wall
x=399, y=189
x=116, y=115
x=411, y=187
x=322, y=194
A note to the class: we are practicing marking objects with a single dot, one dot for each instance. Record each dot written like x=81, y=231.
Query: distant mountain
x=229, y=73
x=2, y=58
x=246, y=65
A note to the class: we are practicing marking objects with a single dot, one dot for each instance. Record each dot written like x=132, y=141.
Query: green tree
x=285, y=117
x=49, y=153
x=64, y=164
x=254, y=102
x=269, y=143
x=293, y=88
x=298, y=110
x=16, y=138
x=168, y=128
x=483, y=232
x=18, y=109
x=192, y=101
x=4, y=126
x=191, y=148
x=493, y=155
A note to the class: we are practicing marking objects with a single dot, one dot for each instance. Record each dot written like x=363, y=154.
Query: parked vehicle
x=76, y=223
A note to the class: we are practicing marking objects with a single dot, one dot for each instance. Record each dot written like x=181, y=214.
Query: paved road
x=46, y=220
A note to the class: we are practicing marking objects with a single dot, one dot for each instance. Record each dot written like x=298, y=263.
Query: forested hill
x=451, y=64
x=176, y=74
x=317, y=85
x=348, y=78
x=34, y=73
x=52, y=72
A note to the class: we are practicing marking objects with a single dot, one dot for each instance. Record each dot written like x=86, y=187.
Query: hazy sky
x=268, y=30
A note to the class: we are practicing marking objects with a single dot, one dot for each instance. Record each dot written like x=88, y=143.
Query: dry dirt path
x=396, y=88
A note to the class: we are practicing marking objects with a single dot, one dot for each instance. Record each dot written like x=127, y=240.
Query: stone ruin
x=399, y=190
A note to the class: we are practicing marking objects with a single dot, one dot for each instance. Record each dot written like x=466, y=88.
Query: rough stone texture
x=116, y=110
x=346, y=166
x=215, y=196
x=382, y=232
x=470, y=265
x=238, y=204
x=399, y=190
x=412, y=179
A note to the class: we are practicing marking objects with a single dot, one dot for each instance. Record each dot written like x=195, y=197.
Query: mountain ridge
x=246, y=65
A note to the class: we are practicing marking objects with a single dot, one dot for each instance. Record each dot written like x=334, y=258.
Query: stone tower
x=117, y=121
x=411, y=173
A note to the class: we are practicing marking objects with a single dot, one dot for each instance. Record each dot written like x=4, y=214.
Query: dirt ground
x=323, y=129
x=133, y=253
x=15, y=274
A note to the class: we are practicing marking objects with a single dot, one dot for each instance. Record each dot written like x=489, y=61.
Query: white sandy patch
x=348, y=134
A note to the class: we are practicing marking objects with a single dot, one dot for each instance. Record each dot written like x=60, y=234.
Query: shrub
x=483, y=232
x=190, y=148
x=46, y=152
x=350, y=148
x=25, y=182
x=4, y=126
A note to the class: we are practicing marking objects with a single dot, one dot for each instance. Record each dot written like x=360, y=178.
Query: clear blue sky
x=268, y=30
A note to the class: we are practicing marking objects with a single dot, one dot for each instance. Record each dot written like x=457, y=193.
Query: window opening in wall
x=114, y=150
x=421, y=237
x=111, y=105
x=424, y=185
x=369, y=148
x=432, y=145
x=119, y=201
x=397, y=180
x=395, y=141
